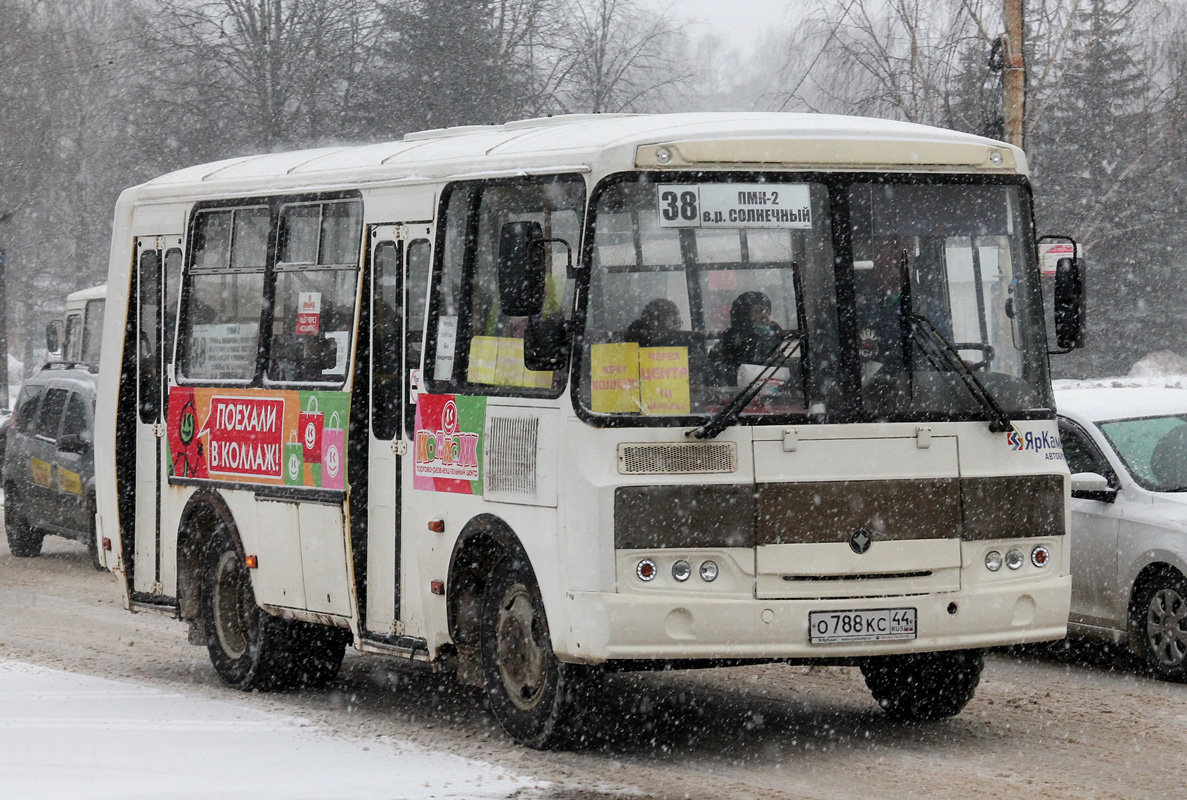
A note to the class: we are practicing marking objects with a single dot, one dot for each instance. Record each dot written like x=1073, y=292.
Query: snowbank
x=1161, y=369
x=74, y=737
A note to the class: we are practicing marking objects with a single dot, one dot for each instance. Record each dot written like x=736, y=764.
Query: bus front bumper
x=631, y=626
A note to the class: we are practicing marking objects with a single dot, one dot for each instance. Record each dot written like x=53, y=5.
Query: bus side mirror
x=53, y=338
x=1070, y=303
x=546, y=344
x=521, y=269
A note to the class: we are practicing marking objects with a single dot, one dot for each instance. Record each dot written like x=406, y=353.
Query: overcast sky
x=738, y=22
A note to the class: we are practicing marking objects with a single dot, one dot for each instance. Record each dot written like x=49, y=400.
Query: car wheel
x=924, y=686
x=23, y=540
x=534, y=697
x=249, y=648
x=1161, y=616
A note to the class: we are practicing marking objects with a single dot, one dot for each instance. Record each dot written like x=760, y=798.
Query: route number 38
x=678, y=206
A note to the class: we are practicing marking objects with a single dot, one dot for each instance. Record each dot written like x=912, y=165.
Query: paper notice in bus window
x=308, y=313
x=614, y=378
x=734, y=205
x=663, y=380
x=223, y=351
x=446, y=347
x=484, y=352
x=509, y=370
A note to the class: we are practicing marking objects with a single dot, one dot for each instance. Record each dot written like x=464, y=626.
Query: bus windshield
x=697, y=288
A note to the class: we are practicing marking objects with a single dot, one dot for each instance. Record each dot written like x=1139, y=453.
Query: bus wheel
x=533, y=696
x=924, y=686
x=23, y=541
x=249, y=648
x=1162, y=619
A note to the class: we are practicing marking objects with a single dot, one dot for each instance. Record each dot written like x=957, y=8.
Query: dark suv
x=49, y=466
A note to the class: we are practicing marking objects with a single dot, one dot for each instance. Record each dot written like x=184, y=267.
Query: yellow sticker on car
x=69, y=481
x=41, y=471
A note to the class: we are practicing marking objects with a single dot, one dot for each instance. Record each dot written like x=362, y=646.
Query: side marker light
x=437, y=587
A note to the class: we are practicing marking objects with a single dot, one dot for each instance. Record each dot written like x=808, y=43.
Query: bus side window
x=316, y=283
x=224, y=294
x=470, y=326
x=420, y=264
x=73, y=347
x=385, y=357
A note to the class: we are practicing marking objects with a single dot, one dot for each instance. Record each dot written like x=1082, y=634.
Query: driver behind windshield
x=751, y=337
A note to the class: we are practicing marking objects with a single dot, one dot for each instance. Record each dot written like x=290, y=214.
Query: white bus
x=539, y=400
x=79, y=338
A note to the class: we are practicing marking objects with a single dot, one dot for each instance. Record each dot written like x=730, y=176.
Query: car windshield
x=1154, y=450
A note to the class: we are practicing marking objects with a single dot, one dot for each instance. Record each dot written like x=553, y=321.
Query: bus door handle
x=399, y=447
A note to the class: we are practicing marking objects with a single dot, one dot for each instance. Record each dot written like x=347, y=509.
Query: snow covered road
x=76, y=737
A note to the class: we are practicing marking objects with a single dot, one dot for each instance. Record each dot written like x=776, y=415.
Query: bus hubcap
x=522, y=659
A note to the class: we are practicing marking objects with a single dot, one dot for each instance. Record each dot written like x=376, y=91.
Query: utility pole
x=1013, y=74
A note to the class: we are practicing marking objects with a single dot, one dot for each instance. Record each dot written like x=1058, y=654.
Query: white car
x=1127, y=451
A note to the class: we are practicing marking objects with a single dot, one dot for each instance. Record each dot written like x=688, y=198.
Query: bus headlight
x=709, y=571
x=1015, y=559
x=681, y=570
x=993, y=561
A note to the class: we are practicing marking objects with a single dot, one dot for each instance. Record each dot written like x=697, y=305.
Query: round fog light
x=1040, y=556
x=646, y=569
x=993, y=561
x=709, y=571
x=1014, y=559
x=681, y=570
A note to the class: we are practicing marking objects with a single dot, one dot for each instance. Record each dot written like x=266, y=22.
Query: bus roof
x=91, y=293
x=606, y=143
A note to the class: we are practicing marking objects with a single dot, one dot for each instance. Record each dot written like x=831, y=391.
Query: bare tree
x=618, y=57
x=274, y=73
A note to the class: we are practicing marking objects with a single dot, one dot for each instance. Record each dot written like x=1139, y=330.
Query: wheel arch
x=204, y=513
x=484, y=541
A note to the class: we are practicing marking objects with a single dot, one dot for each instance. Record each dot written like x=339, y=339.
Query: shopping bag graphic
x=333, y=454
x=309, y=427
x=294, y=462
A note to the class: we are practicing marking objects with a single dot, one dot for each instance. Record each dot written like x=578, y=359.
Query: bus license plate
x=873, y=625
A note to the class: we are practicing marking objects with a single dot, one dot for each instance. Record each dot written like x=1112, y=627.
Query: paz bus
x=536, y=401
x=78, y=339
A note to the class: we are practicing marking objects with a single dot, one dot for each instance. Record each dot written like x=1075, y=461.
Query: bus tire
x=922, y=687
x=249, y=648
x=1160, y=605
x=533, y=696
x=23, y=540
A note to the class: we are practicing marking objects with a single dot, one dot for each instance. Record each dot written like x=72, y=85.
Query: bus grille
x=651, y=459
x=511, y=455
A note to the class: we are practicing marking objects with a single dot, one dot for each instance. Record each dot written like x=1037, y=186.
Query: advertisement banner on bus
x=448, y=446
x=255, y=436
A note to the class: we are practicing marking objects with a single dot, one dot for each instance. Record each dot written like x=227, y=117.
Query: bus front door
x=157, y=278
x=397, y=317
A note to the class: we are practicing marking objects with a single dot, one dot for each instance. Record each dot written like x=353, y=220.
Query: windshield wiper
x=935, y=345
x=730, y=412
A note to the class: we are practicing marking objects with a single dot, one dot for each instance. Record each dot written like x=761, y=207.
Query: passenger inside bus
x=656, y=322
